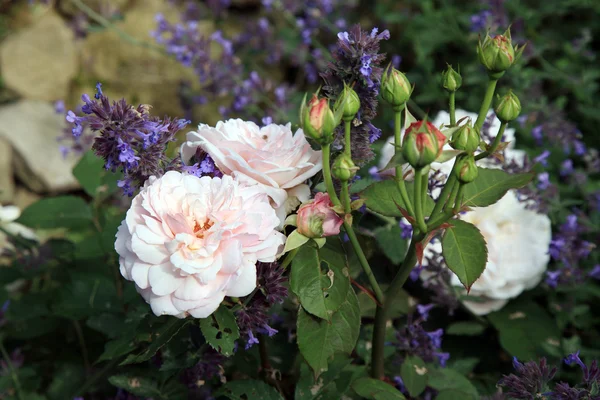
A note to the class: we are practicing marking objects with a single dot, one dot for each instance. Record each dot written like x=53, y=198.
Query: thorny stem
x=347, y=138
x=445, y=194
x=459, y=198
x=495, y=143
x=485, y=105
x=419, y=197
x=452, y=109
x=289, y=257
x=399, y=178
x=327, y=175
x=11, y=369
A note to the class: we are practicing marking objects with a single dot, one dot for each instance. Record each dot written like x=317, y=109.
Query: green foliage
x=320, y=284
x=465, y=251
x=95, y=180
x=465, y=328
x=58, y=212
x=414, y=374
x=249, y=389
x=375, y=389
x=389, y=239
x=384, y=198
x=491, y=185
x=319, y=340
x=452, y=385
x=220, y=330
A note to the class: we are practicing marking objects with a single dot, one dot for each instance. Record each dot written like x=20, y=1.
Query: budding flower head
x=465, y=138
x=497, y=54
x=318, y=120
x=508, y=107
x=467, y=170
x=317, y=218
x=422, y=144
x=348, y=102
x=395, y=88
x=344, y=168
x=451, y=80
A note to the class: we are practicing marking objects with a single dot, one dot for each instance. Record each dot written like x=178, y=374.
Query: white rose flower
x=188, y=242
x=518, y=240
x=271, y=156
x=9, y=214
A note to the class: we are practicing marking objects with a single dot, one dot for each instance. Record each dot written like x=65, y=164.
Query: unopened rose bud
x=508, y=107
x=467, y=170
x=497, y=54
x=343, y=168
x=318, y=120
x=348, y=102
x=465, y=138
x=317, y=219
x=451, y=80
x=422, y=144
x=395, y=88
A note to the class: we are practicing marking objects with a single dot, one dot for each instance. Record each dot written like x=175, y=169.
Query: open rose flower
x=188, y=242
x=317, y=219
x=272, y=156
x=518, y=240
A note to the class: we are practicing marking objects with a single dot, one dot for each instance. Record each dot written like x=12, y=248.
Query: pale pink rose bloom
x=317, y=218
x=188, y=242
x=271, y=156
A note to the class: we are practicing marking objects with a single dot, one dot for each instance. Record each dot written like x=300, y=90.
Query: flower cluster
x=130, y=139
x=357, y=62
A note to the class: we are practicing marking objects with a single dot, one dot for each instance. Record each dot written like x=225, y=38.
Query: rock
x=31, y=127
x=39, y=62
x=7, y=184
x=23, y=198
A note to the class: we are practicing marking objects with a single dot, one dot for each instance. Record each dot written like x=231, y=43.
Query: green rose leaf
x=220, y=330
x=57, y=212
x=491, y=185
x=318, y=339
x=374, y=389
x=465, y=251
x=329, y=385
x=390, y=241
x=414, y=375
x=525, y=327
x=160, y=337
x=139, y=386
x=451, y=382
x=248, y=389
x=465, y=328
x=320, y=284
x=384, y=198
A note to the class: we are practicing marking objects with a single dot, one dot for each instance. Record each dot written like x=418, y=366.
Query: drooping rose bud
x=317, y=219
x=395, y=88
x=348, y=102
x=318, y=120
x=497, y=54
x=508, y=107
x=467, y=170
x=465, y=138
x=451, y=80
x=422, y=144
x=343, y=168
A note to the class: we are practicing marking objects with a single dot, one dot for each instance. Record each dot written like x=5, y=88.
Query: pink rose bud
x=317, y=219
x=318, y=119
x=422, y=144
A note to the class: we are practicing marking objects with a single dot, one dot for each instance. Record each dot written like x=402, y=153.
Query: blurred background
x=215, y=59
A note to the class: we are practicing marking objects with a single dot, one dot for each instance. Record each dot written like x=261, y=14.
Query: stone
x=40, y=61
x=23, y=198
x=31, y=128
x=7, y=183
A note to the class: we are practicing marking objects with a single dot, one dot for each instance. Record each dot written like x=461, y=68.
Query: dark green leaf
x=85, y=295
x=390, y=241
x=220, y=330
x=414, y=375
x=138, y=385
x=248, y=389
x=320, y=285
x=318, y=339
x=466, y=328
x=57, y=212
x=374, y=389
x=329, y=385
x=111, y=325
x=384, y=198
x=446, y=379
x=465, y=251
x=491, y=185
x=160, y=337
x=67, y=379
x=523, y=327
x=95, y=180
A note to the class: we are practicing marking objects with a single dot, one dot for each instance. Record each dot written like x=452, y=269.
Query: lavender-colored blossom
x=413, y=340
x=130, y=139
x=595, y=272
x=357, y=62
x=209, y=367
x=529, y=381
x=543, y=158
x=480, y=20
x=543, y=181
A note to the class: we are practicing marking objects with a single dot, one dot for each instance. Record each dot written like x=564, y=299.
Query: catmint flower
x=543, y=158
x=529, y=381
x=543, y=181
x=413, y=340
x=406, y=229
